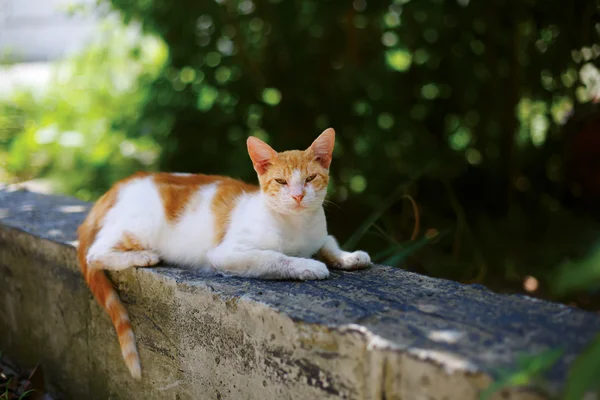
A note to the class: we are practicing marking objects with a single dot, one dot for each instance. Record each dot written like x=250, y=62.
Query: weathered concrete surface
x=378, y=334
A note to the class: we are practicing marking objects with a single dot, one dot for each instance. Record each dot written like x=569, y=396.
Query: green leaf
x=584, y=372
x=27, y=393
x=383, y=207
x=396, y=258
x=364, y=227
x=530, y=367
x=388, y=252
x=398, y=59
x=573, y=276
x=271, y=96
x=207, y=95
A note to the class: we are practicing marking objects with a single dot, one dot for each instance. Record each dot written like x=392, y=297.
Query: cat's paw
x=312, y=270
x=352, y=261
x=144, y=258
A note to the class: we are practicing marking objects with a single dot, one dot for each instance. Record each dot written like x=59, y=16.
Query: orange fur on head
x=275, y=170
x=284, y=166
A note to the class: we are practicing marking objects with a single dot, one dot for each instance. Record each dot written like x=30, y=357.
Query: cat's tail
x=107, y=296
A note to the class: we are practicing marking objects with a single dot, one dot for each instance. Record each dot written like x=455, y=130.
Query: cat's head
x=293, y=181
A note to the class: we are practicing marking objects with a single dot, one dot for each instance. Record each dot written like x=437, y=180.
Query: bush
x=80, y=131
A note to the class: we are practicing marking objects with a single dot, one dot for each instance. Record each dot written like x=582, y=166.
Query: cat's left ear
x=322, y=147
x=262, y=154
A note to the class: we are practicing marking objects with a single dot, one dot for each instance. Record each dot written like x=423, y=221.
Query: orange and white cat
x=215, y=223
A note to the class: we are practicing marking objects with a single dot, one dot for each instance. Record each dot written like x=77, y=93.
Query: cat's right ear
x=262, y=154
x=322, y=147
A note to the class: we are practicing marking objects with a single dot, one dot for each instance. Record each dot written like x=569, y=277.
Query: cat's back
x=197, y=210
x=164, y=195
x=175, y=194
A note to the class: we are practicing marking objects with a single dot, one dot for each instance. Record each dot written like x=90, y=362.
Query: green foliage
x=403, y=82
x=578, y=275
x=574, y=277
x=530, y=368
x=26, y=394
x=81, y=129
x=4, y=396
x=583, y=375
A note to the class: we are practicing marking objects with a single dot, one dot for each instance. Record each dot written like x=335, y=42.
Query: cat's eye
x=281, y=181
x=310, y=178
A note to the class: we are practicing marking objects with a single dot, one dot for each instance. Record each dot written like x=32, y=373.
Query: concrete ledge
x=377, y=334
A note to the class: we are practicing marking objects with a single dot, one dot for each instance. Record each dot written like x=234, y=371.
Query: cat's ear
x=322, y=147
x=262, y=154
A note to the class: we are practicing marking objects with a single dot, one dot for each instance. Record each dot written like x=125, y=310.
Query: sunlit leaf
x=187, y=75
x=529, y=368
x=398, y=59
x=213, y=59
x=358, y=183
x=572, y=276
x=206, y=97
x=271, y=96
x=385, y=120
x=584, y=372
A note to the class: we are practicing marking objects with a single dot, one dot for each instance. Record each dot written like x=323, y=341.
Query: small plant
x=529, y=371
x=18, y=384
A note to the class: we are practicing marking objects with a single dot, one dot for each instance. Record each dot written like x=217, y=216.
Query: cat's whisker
x=327, y=203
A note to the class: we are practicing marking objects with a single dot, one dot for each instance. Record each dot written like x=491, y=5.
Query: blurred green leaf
x=398, y=59
x=411, y=247
x=207, y=96
x=271, y=96
x=529, y=368
x=581, y=275
x=399, y=193
x=584, y=373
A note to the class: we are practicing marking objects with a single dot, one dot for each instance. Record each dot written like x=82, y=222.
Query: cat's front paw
x=352, y=261
x=312, y=270
x=144, y=258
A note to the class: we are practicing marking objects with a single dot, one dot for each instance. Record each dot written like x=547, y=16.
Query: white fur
x=138, y=210
x=265, y=238
x=187, y=241
x=284, y=203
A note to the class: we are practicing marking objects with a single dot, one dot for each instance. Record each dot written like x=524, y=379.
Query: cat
x=216, y=223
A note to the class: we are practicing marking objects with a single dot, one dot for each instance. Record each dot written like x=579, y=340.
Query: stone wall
x=378, y=334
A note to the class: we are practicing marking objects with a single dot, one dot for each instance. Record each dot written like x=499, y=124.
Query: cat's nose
x=298, y=198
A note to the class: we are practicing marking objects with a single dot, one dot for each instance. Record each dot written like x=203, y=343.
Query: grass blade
x=530, y=367
x=398, y=194
x=395, y=259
